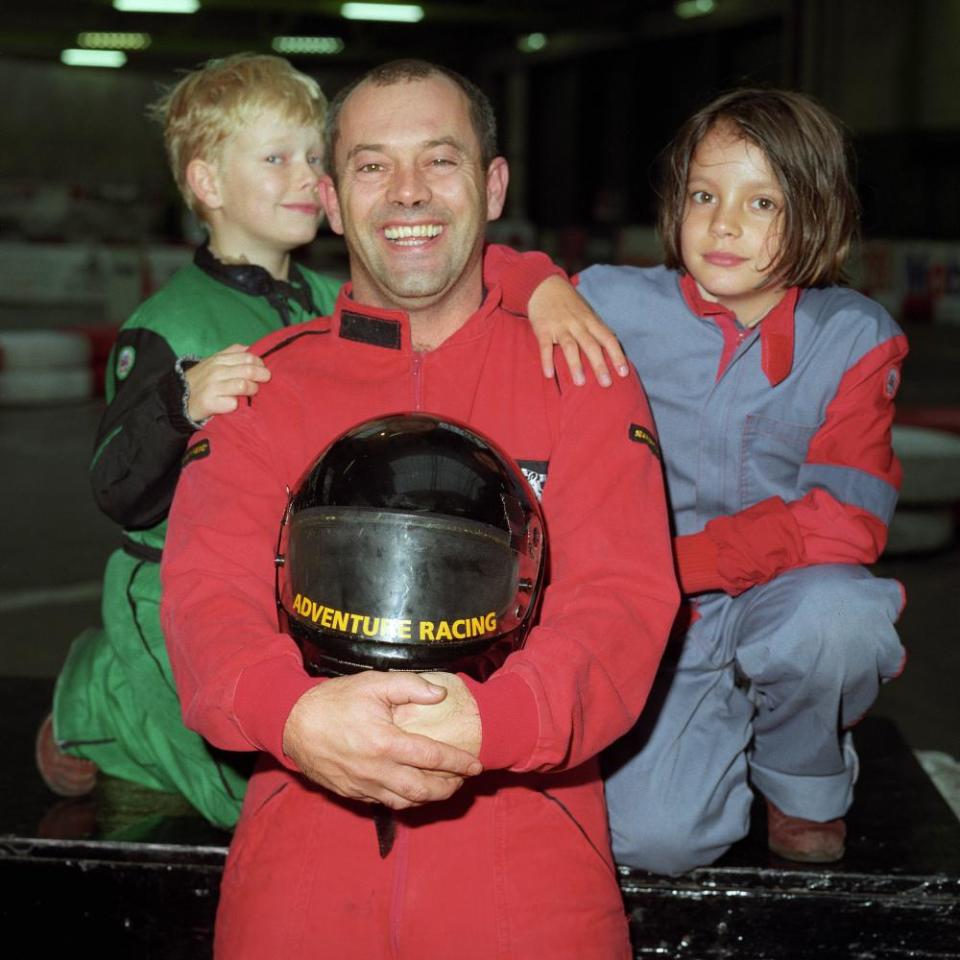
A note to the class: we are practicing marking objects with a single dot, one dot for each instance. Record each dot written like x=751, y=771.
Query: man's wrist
x=265, y=696
x=508, y=719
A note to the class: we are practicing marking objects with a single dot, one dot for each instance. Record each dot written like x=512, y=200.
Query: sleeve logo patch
x=198, y=451
x=125, y=361
x=640, y=434
x=891, y=383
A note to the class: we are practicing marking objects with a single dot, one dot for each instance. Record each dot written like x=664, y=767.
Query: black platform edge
x=209, y=858
x=792, y=914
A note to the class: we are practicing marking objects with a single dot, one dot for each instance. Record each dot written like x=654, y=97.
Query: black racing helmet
x=411, y=543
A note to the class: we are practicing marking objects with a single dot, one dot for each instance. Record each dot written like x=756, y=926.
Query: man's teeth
x=419, y=231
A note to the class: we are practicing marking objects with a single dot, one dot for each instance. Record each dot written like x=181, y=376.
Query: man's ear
x=203, y=180
x=498, y=176
x=331, y=203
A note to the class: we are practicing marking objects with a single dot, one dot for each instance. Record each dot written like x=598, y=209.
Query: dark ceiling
x=452, y=32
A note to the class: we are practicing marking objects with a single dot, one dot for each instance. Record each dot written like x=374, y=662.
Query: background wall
x=582, y=118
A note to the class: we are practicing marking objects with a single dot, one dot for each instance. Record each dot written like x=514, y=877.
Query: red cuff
x=696, y=556
x=265, y=694
x=509, y=721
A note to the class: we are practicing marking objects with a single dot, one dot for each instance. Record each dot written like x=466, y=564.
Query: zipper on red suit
x=401, y=855
x=416, y=371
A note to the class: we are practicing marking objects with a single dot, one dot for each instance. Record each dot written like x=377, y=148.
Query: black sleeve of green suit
x=142, y=433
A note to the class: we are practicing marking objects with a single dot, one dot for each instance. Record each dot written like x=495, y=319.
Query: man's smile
x=412, y=234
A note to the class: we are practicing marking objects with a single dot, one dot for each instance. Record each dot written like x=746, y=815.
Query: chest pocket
x=772, y=452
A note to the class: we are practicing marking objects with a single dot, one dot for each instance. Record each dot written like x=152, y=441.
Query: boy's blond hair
x=212, y=103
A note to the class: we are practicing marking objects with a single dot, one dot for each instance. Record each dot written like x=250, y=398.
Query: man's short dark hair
x=406, y=71
x=810, y=155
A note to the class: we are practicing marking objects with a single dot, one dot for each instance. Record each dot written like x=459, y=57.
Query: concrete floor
x=54, y=543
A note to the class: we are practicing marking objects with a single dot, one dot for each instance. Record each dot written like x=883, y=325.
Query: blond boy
x=244, y=140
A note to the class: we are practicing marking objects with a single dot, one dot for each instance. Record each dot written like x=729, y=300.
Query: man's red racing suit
x=517, y=863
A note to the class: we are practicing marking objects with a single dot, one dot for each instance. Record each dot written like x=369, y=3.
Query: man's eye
x=370, y=167
x=443, y=162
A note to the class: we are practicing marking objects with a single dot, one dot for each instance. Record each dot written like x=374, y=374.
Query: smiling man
x=501, y=844
x=412, y=199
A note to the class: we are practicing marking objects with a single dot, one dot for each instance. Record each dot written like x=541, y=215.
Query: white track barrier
x=926, y=516
x=40, y=367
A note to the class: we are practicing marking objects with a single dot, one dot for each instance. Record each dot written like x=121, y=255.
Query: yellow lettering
x=490, y=621
x=370, y=626
x=326, y=618
x=476, y=626
x=443, y=631
x=355, y=619
x=460, y=629
x=426, y=630
x=340, y=620
x=296, y=603
x=403, y=631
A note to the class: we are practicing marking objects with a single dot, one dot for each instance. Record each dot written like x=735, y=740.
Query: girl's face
x=732, y=224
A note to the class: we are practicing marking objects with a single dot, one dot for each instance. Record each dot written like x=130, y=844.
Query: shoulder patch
x=125, y=361
x=891, y=383
x=198, y=451
x=640, y=434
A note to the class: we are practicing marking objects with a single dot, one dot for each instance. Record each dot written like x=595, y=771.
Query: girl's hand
x=217, y=382
x=561, y=317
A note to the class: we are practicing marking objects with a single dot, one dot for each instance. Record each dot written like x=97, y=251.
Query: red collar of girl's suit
x=776, y=328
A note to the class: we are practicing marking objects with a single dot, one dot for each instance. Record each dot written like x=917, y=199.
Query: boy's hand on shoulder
x=561, y=317
x=217, y=383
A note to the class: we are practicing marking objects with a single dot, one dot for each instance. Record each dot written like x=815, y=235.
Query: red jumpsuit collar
x=776, y=328
x=379, y=326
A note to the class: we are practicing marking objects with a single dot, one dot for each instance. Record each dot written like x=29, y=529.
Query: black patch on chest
x=373, y=330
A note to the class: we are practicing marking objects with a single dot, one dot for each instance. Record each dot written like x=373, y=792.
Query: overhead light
x=156, y=6
x=93, y=58
x=113, y=40
x=688, y=9
x=531, y=42
x=314, y=46
x=393, y=12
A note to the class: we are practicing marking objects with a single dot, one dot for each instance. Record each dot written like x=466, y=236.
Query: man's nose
x=408, y=186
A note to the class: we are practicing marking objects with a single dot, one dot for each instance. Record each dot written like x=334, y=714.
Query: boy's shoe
x=66, y=776
x=72, y=819
x=808, y=841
